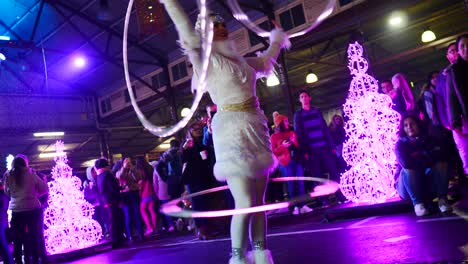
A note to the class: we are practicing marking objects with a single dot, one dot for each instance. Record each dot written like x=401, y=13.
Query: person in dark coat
x=109, y=193
x=424, y=173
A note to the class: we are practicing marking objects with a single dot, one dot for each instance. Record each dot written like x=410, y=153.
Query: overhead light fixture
x=185, y=112
x=397, y=19
x=7, y=38
x=272, y=80
x=164, y=146
x=2, y=57
x=428, y=36
x=51, y=155
x=49, y=134
x=79, y=62
x=311, y=77
x=88, y=163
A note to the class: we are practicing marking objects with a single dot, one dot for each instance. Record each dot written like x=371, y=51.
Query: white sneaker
x=305, y=209
x=420, y=210
x=296, y=211
x=444, y=206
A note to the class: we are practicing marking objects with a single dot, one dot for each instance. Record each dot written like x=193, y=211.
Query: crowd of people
x=233, y=145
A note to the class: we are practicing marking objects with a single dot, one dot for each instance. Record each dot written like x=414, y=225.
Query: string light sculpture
x=68, y=219
x=372, y=132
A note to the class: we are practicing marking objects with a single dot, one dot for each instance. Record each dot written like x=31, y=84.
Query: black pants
x=323, y=160
x=30, y=221
x=116, y=224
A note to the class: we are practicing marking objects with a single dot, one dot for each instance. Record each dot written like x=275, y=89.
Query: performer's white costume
x=240, y=133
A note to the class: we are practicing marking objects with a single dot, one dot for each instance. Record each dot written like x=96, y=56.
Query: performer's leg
x=243, y=190
x=258, y=220
x=258, y=227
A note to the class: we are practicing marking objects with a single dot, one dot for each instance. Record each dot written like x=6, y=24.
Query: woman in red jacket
x=285, y=147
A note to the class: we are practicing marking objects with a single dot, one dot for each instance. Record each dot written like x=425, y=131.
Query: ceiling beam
x=9, y=29
x=105, y=56
x=36, y=22
x=159, y=55
x=18, y=77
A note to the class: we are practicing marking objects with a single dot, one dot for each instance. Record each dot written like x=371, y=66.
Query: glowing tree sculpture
x=68, y=219
x=372, y=132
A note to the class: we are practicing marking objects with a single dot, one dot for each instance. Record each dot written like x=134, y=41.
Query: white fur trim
x=280, y=37
x=261, y=256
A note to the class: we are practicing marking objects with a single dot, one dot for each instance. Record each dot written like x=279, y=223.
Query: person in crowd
x=338, y=134
x=160, y=186
x=108, y=187
x=426, y=102
x=401, y=85
x=423, y=160
x=44, y=199
x=5, y=253
x=147, y=195
x=173, y=162
x=129, y=177
x=457, y=99
x=198, y=176
x=240, y=134
x=315, y=140
x=286, y=149
x=441, y=86
x=396, y=95
x=211, y=110
x=91, y=194
x=25, y=188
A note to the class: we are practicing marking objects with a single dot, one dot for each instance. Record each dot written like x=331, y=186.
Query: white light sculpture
x=372, y=131
x=68, y=219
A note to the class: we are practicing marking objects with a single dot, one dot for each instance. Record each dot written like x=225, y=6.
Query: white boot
x=260, y=257
x=238, y=260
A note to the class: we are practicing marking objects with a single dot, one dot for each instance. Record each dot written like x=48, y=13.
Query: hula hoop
x=244, y=19
x=207, y=38
x=171, y=208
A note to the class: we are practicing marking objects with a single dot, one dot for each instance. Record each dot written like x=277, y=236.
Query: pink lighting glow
x=372, y=130
x=172, y=208
x=68, y=219
x=79, y=62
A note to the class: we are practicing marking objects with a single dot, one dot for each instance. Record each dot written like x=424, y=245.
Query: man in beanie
x=109, y=194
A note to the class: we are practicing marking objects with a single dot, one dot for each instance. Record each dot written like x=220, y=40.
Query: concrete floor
x=397, y=238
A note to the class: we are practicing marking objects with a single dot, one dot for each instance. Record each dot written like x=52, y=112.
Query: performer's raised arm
x=264, y=63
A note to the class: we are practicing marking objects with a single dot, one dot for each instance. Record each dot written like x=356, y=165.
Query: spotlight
x=428, y=36
x=311, y=77
x=2, y=57
x=397, y=19
x=272, y=80
x=80, y=62
x=185, y=111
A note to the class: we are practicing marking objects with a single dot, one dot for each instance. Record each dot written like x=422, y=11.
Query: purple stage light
x=79, y=62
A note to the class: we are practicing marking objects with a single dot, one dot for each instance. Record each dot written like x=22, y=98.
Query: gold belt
x=249, y=105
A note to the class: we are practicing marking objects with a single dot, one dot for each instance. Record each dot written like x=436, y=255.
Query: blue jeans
x=294, y=168
x=421, y=185
x=131, y=206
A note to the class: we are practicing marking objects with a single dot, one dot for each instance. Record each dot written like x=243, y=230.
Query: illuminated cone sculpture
x=68, y=218
x=372, y=133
